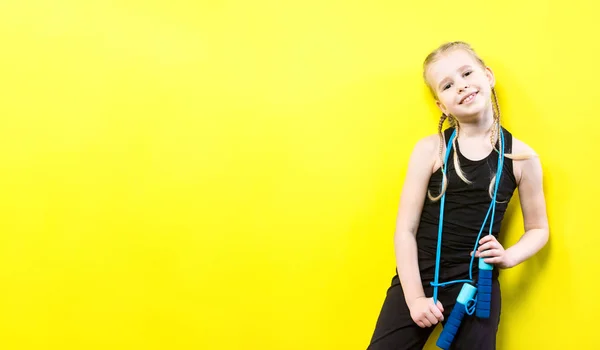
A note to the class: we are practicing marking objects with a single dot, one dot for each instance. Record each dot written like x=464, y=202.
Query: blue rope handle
x=484, y=283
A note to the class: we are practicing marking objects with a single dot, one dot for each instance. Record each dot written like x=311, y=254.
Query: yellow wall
x=181, y=175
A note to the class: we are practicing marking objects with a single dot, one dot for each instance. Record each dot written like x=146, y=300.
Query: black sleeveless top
x=465, y=210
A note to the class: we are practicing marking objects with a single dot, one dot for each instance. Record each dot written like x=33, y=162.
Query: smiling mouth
x=468, y=98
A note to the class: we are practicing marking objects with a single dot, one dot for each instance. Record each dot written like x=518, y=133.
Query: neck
x=478, y=125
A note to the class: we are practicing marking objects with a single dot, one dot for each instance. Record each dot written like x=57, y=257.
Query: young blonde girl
x=463, y=88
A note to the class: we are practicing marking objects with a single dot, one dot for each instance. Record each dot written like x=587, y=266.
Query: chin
x=475, y=109
x=470, y=115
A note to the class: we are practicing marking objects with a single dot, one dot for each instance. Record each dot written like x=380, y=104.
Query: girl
x=463, y=88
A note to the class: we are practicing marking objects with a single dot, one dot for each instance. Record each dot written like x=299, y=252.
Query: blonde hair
x=432, y=57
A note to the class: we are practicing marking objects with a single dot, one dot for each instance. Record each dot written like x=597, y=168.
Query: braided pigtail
x=459, y=171
x=496, y=124
x=442, y=142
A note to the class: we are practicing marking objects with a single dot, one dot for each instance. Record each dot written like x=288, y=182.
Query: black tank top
x=465, y=207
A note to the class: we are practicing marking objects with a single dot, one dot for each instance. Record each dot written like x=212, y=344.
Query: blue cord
x=441, y=221
x=492, y=207
x=470, y=309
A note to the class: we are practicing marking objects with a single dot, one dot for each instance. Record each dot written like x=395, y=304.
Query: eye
x=446, y=87
x=467, y=73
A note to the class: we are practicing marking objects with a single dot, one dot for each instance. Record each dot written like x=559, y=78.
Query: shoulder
x=425, y=155
x=427, y=144
x=520, y=147
x=526, y=162
x=427, y=149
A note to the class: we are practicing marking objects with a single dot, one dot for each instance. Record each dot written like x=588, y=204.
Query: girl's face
x=462, y=85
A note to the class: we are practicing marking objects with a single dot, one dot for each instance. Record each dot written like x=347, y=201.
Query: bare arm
x=533, y=206
x=420, y=168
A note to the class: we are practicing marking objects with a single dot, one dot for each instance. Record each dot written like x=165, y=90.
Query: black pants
x=395, y=329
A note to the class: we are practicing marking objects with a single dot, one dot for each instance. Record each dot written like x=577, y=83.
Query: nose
x=462, y=86
x=461, y=83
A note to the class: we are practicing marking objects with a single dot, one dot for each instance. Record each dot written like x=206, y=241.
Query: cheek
x=485, y=90
x=484, y=83
x=446, y=100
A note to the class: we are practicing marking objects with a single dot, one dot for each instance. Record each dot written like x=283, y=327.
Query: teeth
x=468, y=99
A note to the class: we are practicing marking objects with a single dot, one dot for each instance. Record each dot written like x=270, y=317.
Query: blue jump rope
x=484, y=282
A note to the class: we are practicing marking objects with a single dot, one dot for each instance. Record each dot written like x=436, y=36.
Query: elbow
x=402, y=236
x=545, y=236
x=542, y=235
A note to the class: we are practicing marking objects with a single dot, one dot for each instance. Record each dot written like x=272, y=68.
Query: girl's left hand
x=493, y=252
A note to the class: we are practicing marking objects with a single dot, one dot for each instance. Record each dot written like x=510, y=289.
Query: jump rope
x=482, y=301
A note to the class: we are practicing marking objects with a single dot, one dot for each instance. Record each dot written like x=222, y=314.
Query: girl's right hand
x=425, y=313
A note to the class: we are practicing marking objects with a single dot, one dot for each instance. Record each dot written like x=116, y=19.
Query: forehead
x=448, y=63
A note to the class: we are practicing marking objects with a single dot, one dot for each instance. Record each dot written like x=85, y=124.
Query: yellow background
x=226, y=174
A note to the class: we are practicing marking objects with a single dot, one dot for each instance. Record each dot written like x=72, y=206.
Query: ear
x=490, y=75
x=441, y=107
